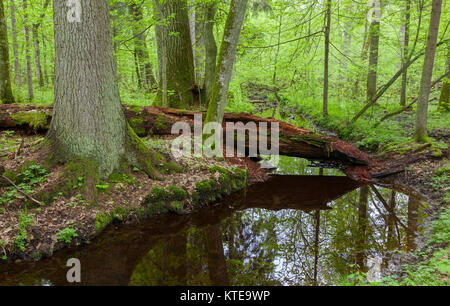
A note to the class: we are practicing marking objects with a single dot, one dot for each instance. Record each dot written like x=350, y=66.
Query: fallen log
x=293, y=141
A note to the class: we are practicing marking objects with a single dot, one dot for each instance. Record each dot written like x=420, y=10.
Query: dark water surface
x=297, y=229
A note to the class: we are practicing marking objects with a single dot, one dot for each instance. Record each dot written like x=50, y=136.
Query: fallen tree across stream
x=293, y=141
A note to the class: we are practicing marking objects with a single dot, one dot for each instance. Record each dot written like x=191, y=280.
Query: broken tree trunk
x=293, y=141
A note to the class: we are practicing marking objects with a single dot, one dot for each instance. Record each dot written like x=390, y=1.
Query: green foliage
x=27, y=181
x=66, y=235
x=25, y=222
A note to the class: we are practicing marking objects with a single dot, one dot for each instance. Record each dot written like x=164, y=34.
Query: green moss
x=80, y=175
x=102, y=220
x=172, y=167
x=137, y=124
x=119, y=214
x=37, y=120
x=177, y=193
x=159, y=124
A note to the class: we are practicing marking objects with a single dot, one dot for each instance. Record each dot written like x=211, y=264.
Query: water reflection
x=291, y=230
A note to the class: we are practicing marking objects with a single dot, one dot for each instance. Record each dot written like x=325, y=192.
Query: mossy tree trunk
x=6, y=95
x=227, y=55
x=444, y=99
x=146, y=80
x=175, y=57
x=420, y=134
x=88, y=121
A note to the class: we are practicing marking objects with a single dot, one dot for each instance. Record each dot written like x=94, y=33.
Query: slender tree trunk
x=44, y=66
x=362, y=227
x=444, y=99
x=316, y=245
x=17, y=78
x=374, y=33
x=227, y=55
x=37, y=56
x=405, y=56
x=146, y=78
x=28, y=51
x=420, y=134
x=88, y=121
x=210, y=52
x=6, y=95
x=175, y=58
x=327, y=54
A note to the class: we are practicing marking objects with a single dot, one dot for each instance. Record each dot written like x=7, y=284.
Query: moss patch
x=37, y=120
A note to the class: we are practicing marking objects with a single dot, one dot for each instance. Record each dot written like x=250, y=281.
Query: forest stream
x=304, y=226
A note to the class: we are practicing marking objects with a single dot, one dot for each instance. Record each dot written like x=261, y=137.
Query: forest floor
x=29, y=231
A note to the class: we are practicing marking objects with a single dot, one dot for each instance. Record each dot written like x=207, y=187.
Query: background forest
x=280, y=59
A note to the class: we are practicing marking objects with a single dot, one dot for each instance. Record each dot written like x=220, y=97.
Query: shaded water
x=296, y=229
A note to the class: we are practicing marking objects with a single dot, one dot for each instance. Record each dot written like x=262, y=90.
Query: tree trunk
x=444, y=99
x=147, y=81
x=88, y=121
x=17, y=78
x=6, y=95
x=227, y=55
x=210, y=52
x=420, y=134
x=175, y=58
x=327, y=54
x=37, y=56
x=28, y=51
x=374, y=37
x=405, y=51
x=362, y=227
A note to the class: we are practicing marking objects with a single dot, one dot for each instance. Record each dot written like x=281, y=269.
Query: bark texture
x=420, y=134
x=227, y=55
x=175, y=58
x=88, y=120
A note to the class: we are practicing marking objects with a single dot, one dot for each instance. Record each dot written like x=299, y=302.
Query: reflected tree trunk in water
x=413, y=207
x=391, y=224
x=216, y=259
x=316, y=244
x=362, y=225
x=174, y=261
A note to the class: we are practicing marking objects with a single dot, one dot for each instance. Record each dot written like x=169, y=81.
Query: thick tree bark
x=29, y=73
x=6, y=95
x=420, y=134
x=88, y=121
x=17, y=78
x=227, y=55
x=326, y=59
x=175, y=59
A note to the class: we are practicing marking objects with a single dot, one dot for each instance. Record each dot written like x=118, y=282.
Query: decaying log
x=293, y=141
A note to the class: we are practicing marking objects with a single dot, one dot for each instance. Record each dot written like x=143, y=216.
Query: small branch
x=20, y=190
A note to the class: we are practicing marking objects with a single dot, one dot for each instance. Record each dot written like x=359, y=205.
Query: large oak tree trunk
x=6, y=95
x=420, y=134
x=175, y=57
x=88, y=120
